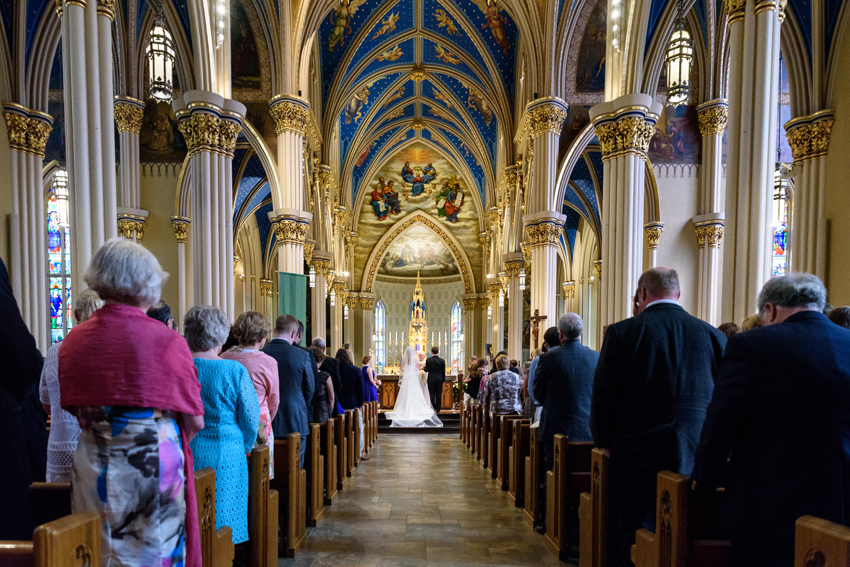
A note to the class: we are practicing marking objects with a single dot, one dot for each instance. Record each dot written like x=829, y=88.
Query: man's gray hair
x=571, y=326
x=86, y=304
x=126, y=272
x=205, y=327
x=660, y=281
x=319, y=342
x=793, y=290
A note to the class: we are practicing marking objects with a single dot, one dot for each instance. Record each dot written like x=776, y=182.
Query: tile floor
x=422, y=500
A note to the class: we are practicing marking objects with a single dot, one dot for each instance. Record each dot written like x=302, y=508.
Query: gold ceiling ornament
x=290, y=231
x=597, y=266
x=128, y=114
x=653, y=231
x=570, y=290
x=309, y=246
x=206, y=132
x=180, y=225
x=630, y=134
x=809, y=136
x=418, y=75
x=418, y=126
x=543, y=234
x=469, y=304
x=27, y=129
x=547, y=118
x=367, y=303
x=290, y=114
x=514, y=267
x=713, y=117
x=710, y=234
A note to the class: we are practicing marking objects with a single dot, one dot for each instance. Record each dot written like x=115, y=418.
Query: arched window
x=59, y=260
x=380, y=333
x=457, y=337
x=781, y=194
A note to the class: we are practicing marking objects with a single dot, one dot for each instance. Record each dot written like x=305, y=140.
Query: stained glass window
x=457, y=337
x=380, y=333
x=59, y=270
x=779, y=244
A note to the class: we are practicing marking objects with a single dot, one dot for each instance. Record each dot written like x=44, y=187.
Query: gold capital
x=132, y=228
x=180, y=225
x=28, y=130
x=514, y=267
x=290, y=231
x=712, y=120
x=711, y=234
x=367, y=303
x=547, y=118
x=128, y=116
x=735, y=9
x=569, y=290
x=309, y=246
x=320, y=265
x=469, y=304
x=543, y=234
x=209, y=133
x=630, y=134
x=290, y=114
x=597, y=266
x=653, y=232
x=808, y=136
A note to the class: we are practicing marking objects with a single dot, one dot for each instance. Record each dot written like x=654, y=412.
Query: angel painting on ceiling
x=450, y=199
x=419, y=177
x=496, y=22
x=354, y=109
x=341, y=19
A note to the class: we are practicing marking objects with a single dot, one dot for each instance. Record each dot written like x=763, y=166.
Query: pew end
x=593, y=514
x=315, y=465
x=263, y=509
x=569, y=477
x=217, y=548
x=329, y=452
x=71, y=540
x=820, y=542
x=341, y=451
x=291, y=482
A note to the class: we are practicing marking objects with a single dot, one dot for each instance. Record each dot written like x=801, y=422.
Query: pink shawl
x=122, y=357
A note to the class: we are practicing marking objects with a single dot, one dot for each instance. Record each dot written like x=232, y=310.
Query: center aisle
x=422, y=500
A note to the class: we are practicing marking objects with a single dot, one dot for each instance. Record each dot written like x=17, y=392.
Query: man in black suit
x=331, y=366
x=563, y=385
x=653, y=384
x=435, y=367
x=780, y=409
x=296, y=381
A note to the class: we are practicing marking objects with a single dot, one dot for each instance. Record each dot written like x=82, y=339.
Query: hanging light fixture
x=60, y=189
x=312, y=277
x=501, y=298
x=160, y=53
x=333, y=297
x=522, y=279
x=680, y=53
x=489, y=311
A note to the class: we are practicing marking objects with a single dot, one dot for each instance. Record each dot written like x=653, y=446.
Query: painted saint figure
x=379, y=204
x=450, y=199
x=391, y=197
x=418, y=181
x=495, y=21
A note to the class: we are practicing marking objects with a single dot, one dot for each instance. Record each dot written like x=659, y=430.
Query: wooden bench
x=341, y=451
x=72, y=540
x=315, y=466
x=357, y=432
x=351, y=443
x=291, y=482
x=687, y=532
x=821, y=543
x=516, y=461
x=503, y=447
x=217, y=549
x=593, y=514
x=263, y=509
x=475, y=432
x=329, y=452
x=484, y=436
x=534, y=468
x=569, y=477
x=494, y=430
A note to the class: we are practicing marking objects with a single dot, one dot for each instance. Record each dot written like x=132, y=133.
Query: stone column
x=28, y=131
x=210, y=124
x=321, y=261
x=624, y=127
x=570, y=296
x=266, y=299
x=338, y=287
x=514, y=264
x=470, y=302
x=180, y=225
x=652, y=231
x=349, y=335
x=808, y=137
x=367, y=305
x=544, y=231
x=754, y=27
x=484, y=302
x=132, y=219
x=498, y=320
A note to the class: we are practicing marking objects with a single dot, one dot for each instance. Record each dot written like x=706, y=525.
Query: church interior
x=455, y=174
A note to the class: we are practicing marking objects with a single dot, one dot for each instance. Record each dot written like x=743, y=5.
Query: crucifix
x=535, y=321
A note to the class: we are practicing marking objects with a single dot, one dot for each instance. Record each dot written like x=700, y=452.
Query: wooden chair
x=503, y=448
x=49, y=501
x=687, y=532
x=357, y=431
x=341, y=451
x=593, y=514
x=516, y=461
x=534, y=467
x=569, y=477
x=315, y=466
x=263, y=509
x=351, y=443
x=70, y=541
x=217, y=549
x=821, y=543
x=329, y=452
x=291, y=482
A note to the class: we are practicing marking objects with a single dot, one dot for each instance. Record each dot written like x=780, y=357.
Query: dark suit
x=314, y=367
x=780, y=407
x=331, y=366
x=436, y=369
x=296, y=390
x=563, y=385
x=352, y=387
x=653, y=383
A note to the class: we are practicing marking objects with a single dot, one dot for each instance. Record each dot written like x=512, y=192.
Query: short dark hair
x=660, y=281
x=285, y=324
x=552, y=337
x=161, y=312
x=729, y=329
x=318, y=353
x=513, y=362
x=343, y=357
x=500, y=353
x=300, y=330
x=435, y=350
x=840, y=316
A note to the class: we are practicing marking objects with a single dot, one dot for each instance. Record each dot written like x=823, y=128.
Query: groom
x=435, y=368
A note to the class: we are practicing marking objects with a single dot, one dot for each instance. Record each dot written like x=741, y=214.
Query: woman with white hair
x=131, y=383
x=233, y=416
x=64, y=428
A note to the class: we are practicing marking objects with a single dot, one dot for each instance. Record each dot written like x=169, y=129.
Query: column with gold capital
x=321, y=262
x=338, y=288
x=132, y=219
x=497, y=322
x=470, y=304
x=180, y=225
x=515, y=270
x=623, y=127
x=367, y=307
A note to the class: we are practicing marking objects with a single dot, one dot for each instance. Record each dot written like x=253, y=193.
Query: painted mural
x=418, y=250
x=676, y=138
x=590, y=69
x=245, y=60
x=160, y=141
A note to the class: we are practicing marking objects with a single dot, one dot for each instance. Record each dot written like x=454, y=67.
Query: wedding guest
x=251, y=331
x=370, y=385
x=483, y=372
x=331, y=366
x=750, y=323
x=352, y=388
x=131, y=382
x=502, y=390
x=551, y=341
x=840, y=316
x=528, y=406
x=514, y=367
x=162, y=313
x=64, y=427
x=232, y=413
x=473, y=383
x=729, y=329
x=324, y=402
x=473, y=360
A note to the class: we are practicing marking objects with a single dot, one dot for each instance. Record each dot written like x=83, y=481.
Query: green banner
x=292, y=295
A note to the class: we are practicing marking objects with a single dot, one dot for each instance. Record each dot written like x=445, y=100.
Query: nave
x=422, y=500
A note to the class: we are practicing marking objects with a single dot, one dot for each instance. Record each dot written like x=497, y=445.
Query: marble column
x=498, y=319
x=321, y=261
x=28, y=131
x=544, y=231
x=514, y=265
x=652, y=231
x=367, y=305
x=808, y=137
x=180, y=225
x=132, y=219
x=570, y=297
x=623, y=127
x=211, y=124
x=470, y=304
x=754, y=29
x=338, y=287
x=354, y=340
x=266, y=299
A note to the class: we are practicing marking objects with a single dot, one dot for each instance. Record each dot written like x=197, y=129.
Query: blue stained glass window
x=457, y=337
x=59, y=270
x=380, y=334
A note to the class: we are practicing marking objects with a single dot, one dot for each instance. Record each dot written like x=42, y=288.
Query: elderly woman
x=232, y=416
x=502, y=389
x=64, y=428
x=251, y=331
x=131, y=383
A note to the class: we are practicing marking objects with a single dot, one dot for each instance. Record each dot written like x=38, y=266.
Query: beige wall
x=158, y=190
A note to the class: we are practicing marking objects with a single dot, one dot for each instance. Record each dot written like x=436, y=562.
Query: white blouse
x=64, y=428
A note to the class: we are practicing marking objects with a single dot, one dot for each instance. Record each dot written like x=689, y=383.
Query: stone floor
x=422, y=500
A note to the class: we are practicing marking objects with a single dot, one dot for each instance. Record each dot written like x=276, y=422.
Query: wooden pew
x=493, y=422
x=341, y=451
x=484, y=436
x=462, y=424
x=291, y=482
x=72, y=540
x=819, y=542
x=569, y=477
x=263, y=509
x=503, y=447
x=351, y=443
x=475, y=433
x=49, y=501
x=593, y=514
x=217, y=547
x=687, y=532
x=534, y=467
x=329, y=452
x=358, y=430
x=314, y=463
x=516, y=461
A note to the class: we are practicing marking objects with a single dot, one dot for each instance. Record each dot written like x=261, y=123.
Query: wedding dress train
x=412, y=405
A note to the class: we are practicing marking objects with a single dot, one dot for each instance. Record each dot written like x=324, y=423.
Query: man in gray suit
x=296, y=381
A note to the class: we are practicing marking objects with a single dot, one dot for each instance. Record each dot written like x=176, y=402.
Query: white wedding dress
x=412, y=405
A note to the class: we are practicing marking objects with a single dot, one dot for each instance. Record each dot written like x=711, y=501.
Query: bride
x=412, y=406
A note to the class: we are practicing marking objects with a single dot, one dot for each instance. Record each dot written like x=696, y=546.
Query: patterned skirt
x=128, y=467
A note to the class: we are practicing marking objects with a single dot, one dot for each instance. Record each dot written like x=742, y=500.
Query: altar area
x=388, y=391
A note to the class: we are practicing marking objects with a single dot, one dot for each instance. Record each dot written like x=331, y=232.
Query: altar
x=388, y=391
